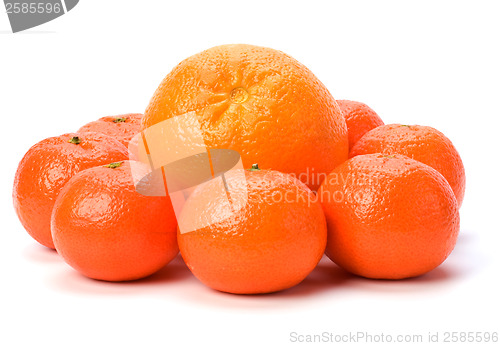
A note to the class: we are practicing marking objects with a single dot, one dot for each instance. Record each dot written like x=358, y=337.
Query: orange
x=272, y=243
x=121, y=127
x=106, y=230
x=359, y=119
x=260, y=102
x=422, y=143
x=47, y=166
x=388, y=216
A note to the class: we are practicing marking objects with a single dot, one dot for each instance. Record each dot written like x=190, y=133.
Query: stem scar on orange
x=121, y=127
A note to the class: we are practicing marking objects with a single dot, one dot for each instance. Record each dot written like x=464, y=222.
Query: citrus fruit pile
x=316, y=175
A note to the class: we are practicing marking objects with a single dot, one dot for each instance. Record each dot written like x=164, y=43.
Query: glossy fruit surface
x=389, y=217
x=47, y=166
x=121, y=127
x=270, y=244
x=106, y=230
x=260, y=102
x=422, y=143
x=359, y=119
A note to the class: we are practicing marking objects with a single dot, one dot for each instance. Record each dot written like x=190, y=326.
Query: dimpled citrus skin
x=47, y=166
x=106, y=230
x=359, y=119
x=260, y=102
x=121, y=127
x=422, y=143
x=389, y=217
x=268, y=245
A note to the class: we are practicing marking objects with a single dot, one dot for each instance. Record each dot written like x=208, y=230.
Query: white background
x=431, y=63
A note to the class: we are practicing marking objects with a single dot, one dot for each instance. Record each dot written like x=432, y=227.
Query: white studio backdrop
x=427, y=62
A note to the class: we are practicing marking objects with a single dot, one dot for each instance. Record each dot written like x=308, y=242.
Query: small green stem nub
x=75, y=140
x=120, y=120
x=114, y=165
x=406, y=125
x=255, y=167
x=389, y=156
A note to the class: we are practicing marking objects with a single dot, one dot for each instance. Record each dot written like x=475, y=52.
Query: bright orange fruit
x=388, y=216
x=422, y=143
x=47, y=166
x=271, y=244
x=121, y=127
x=260, y=102
x=359, y=119
x=106, y=230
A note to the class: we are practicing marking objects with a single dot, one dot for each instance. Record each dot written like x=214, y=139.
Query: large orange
x=121, y=127
x=260, y=102
x=359, y=119
x=271, y=244
x=47, y=166
x=106, y=230
x=422, y=143
x=389, y=216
